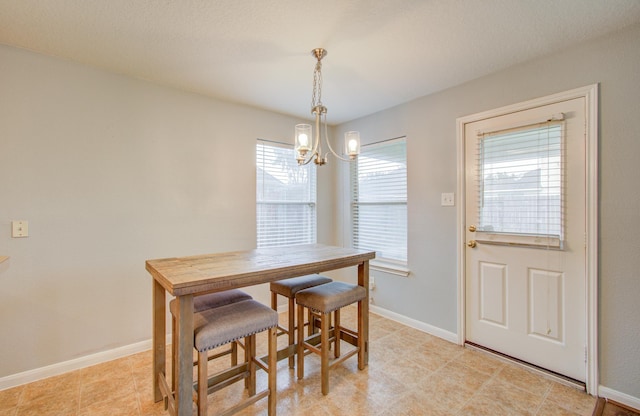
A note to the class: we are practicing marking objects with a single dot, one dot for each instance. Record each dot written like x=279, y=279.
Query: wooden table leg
x=363, y=312
x=184, y=362
x=159, y=334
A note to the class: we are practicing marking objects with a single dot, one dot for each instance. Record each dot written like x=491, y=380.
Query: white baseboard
x=36, y=374
x=616, y=396
x=421, y=326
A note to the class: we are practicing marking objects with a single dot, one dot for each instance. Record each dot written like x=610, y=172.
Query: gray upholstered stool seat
x=324, y=300
x=229, y=323
x=330, y=297
x=215, y=327
x=202, y=303
x=214, y=300
x=288, y=288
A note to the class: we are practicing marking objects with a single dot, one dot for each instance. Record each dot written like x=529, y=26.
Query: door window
x=520, y=185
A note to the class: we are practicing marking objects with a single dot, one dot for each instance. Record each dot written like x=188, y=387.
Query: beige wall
x=111, y=171
x=429, y=123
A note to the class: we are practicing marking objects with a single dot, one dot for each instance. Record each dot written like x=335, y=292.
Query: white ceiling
x=380, y=52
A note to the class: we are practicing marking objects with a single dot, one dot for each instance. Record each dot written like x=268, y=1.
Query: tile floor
x=409, y=373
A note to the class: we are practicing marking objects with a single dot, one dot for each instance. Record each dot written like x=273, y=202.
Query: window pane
x=285, y=196
x=379, y=195
x=521, y=182
x=382, y=228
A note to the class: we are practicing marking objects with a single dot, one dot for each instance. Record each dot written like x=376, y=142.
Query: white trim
x=590, y=93
x=389, y=267
x=421, y=326
x=616, y=396
x=71, y=365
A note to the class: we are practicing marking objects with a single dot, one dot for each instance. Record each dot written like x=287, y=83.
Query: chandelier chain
x=316, y=98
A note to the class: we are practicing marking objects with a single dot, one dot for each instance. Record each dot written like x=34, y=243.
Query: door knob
x=472, y=228
x=472, y=243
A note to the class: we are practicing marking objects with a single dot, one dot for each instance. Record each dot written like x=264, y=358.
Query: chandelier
x=307, y=146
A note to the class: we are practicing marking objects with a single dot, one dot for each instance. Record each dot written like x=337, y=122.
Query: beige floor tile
x=552, y=409
x=571, y=399
x=58, y=405
x=416, y=404
x=116, y=406
x=410, y=373
x=9, y=399
x=525, y=379
x=65, y=384
x=480, y=361
x=107, y=390
x=511, y=398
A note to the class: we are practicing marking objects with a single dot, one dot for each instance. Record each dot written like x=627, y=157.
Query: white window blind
x=379, y=200
x=521, y=182
x=286, y=197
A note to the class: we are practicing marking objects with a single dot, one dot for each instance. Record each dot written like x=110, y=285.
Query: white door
x=525, y=268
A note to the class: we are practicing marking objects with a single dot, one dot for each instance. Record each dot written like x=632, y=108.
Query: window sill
x=391, y=268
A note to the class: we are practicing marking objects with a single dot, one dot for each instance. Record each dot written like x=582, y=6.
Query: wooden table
x=185, y=277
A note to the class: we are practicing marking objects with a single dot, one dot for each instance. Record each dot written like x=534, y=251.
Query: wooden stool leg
x=300, y=348
x=202, y=383
x=246, y=360
x=291, y=330
x=336, y=334
x=273, y=364
x=174, y=352
x=361, y=351
x=234, y=353
x=311, y=320
x=324, y=349
x=250, y=345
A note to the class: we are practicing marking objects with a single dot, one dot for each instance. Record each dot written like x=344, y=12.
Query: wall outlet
x=447, y=200
x=372, y=283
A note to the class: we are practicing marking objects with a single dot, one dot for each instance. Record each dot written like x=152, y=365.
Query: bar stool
x=229, y=323
x=202, y=303
x=324, y=300
x=288, y=288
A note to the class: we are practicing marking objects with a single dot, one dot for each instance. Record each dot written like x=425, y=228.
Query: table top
x=223, y=271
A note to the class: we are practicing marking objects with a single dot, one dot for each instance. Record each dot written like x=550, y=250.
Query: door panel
x=525, y=293
x=493, y=293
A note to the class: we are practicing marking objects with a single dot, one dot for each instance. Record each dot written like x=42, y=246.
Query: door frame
x=590, y=93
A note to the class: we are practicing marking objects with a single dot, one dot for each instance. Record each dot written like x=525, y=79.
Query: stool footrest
x=245, y=403
x=343, y=357
x=227, y=377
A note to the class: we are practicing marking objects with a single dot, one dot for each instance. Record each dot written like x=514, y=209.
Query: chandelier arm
x=305, y=162
x=326, y=138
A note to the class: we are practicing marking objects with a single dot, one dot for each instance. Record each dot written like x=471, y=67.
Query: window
x=286, y=197
x=379, y=203
x=521, y=186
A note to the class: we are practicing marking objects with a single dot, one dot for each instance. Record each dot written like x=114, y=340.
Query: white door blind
x=379, y=200
x=286, y=197
x=520, y=182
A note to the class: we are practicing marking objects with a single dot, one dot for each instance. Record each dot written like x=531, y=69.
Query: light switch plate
x=447, y=200
x=19, y=229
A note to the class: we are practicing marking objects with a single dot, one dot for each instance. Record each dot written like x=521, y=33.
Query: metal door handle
x=472, y=243
x=472, y=228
